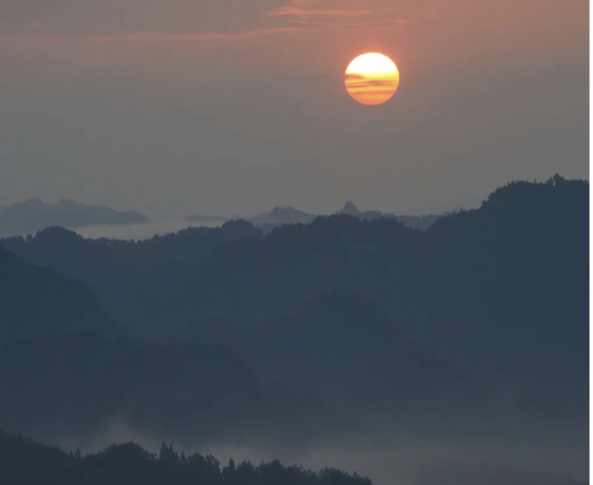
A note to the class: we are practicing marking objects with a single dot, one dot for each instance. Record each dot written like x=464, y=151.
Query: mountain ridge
x=391, y=320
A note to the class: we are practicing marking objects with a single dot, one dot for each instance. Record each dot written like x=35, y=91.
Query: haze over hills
x=318, y=326
x=283, y=215
x=34, y=214
x=420, y=222
x=287, y=215
x=205, y=218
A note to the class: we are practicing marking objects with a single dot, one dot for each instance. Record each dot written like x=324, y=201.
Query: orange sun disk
x=372, y=79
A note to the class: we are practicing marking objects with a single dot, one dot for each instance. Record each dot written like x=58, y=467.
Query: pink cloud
x=294, y=11
x=30, y=40
x=313, y=15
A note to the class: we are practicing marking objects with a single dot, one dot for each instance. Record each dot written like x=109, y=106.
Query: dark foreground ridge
x=27, y=462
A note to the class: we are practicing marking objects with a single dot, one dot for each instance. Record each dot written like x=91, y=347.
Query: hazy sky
x=226, y=106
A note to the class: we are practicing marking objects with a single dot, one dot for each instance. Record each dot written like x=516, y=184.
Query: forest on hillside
x=26, y=462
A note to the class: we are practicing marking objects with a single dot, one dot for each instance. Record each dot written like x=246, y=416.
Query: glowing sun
x=372, y=79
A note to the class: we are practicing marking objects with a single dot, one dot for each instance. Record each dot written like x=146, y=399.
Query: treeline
x=26, y=462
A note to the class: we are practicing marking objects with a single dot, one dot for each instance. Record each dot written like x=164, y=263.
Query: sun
x=372, y=78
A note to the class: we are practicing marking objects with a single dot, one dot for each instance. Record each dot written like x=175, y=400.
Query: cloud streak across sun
x=372, y=79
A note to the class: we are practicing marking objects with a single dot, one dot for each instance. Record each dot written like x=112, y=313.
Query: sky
x=233, y=106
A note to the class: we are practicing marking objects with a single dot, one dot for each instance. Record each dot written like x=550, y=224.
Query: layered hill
x=483, y=315
x=40, y=301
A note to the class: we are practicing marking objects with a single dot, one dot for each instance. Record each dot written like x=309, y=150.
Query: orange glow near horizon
x=372, y=79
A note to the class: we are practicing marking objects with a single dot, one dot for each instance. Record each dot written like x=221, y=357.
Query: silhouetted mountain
x=278, y=216
x=79, y=383
x=482, y=316
x=34, y=214
x=132, y=278
x=420, y=222
x=286, y=215
x=350, y=209
x=474, y=283
x=29, y=463
x=38, y=301
x=281, y=216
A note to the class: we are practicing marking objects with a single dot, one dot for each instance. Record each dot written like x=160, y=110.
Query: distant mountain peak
x=33, y=202
x=280, y=215
x=556, y=180
x=57, y=233
x=34, y=214
x=350, y=209
x=284, y=210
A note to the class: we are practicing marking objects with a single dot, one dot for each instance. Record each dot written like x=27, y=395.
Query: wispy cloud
x=146, y=37
x=293, y=11
x=140, y=38
x=32, y=21
x=128, y=16
x=344, y=16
